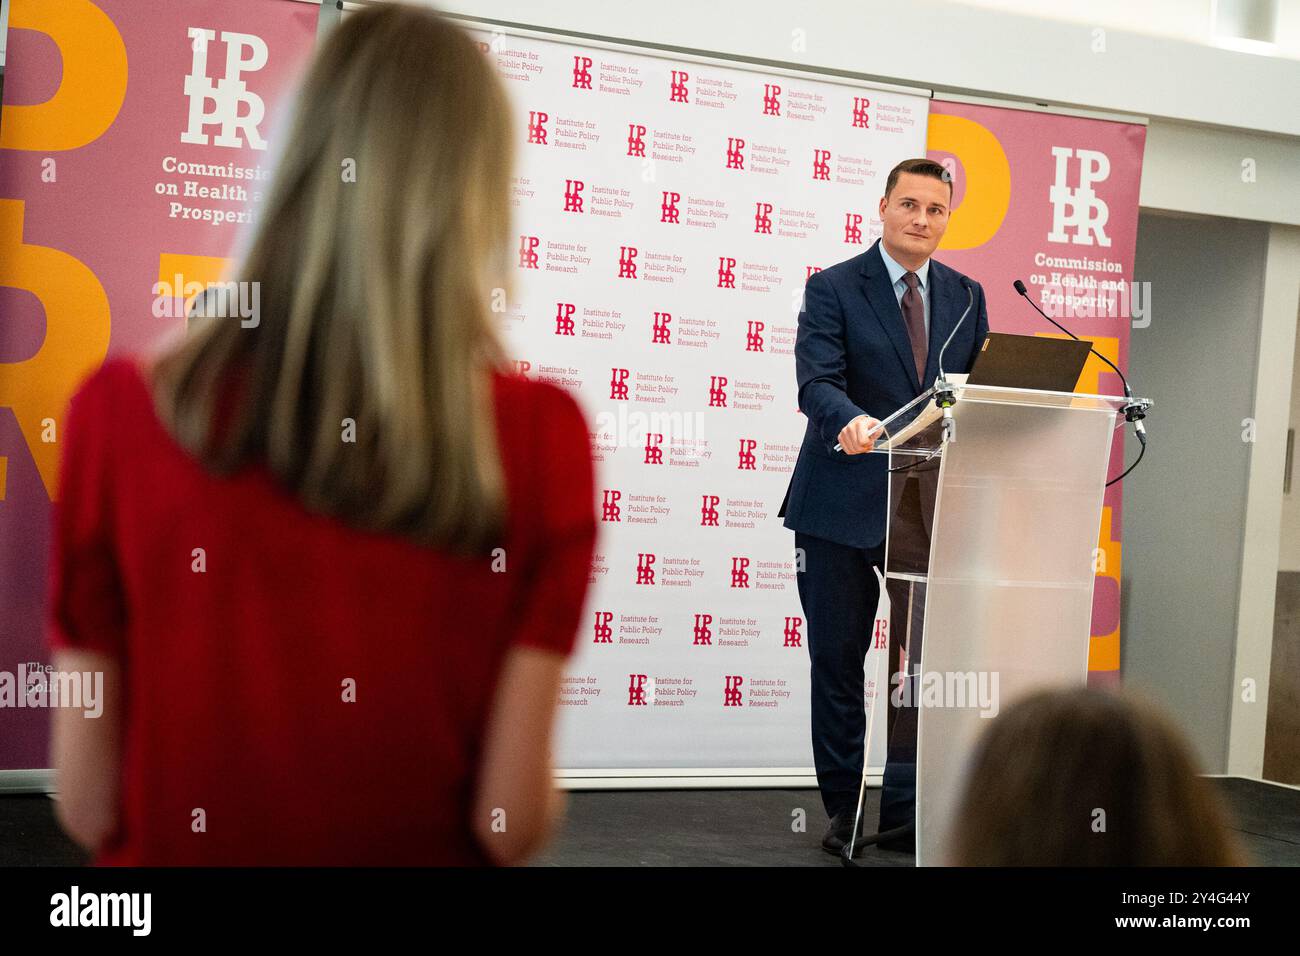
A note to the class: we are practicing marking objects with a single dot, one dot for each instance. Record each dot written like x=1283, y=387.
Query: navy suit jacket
x=852, y=357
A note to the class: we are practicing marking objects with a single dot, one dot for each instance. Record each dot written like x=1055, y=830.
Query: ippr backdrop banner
x=668, y=215
x=1053, y=200
x=133, y=148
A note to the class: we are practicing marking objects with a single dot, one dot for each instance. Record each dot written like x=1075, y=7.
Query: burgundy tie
x=914, y=319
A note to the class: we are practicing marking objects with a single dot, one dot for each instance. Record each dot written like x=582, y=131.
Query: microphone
x=970, y=301
x=944, y=395
x=1138, y=427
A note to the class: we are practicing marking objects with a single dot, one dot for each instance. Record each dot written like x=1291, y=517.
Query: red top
x=234, y=676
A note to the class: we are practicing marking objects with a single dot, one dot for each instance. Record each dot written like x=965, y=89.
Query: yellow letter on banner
x=76, y=335
x=988, y=179
x=89, y=97
x=93, y=86
x=1103, y=653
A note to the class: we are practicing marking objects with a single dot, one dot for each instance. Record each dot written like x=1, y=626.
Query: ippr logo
x=573, y=195
x=626, y=263
x=582, y=72
x=726, y=272
x=771, y=99
x=537, y=127
x=754, y=337
x=809, y=270
x=677, y=91
x=635, y=139
x=748, y=460
x=880, y=637
x=717, y=391
x=528, y=252
x=654, y=449
x=564, y=324
x=610, y=510
x=763, y=218
x=853, y=228
x=603, y=633
x=709, y=511
x=523, y=367
x=636, y=695
x=668, y=211
x=618, y=383
x=793, y=638
x=1079, y=209
x=860, y=106
x=662, y=334
x=703, y=633
x=735, y=153
x=740, y=572
x=822, y=164
x=645, y=571
x=226, y=95
x=731, y=696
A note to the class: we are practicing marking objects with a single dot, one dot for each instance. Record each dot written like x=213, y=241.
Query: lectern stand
x=1005, y=605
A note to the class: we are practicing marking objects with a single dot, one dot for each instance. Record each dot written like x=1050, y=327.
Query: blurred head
x=914, y=210
x=1087, y=778
x=378, y=247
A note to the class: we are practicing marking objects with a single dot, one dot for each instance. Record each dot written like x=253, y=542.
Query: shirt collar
x=896, y=271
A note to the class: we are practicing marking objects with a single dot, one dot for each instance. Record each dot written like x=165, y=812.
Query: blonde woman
x=330, y=562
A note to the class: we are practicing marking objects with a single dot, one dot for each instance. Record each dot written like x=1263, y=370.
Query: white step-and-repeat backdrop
x=668, y=213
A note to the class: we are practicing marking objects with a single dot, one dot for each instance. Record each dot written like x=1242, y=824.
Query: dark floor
x=753, y=828
x=30, y=836
x=703, y=828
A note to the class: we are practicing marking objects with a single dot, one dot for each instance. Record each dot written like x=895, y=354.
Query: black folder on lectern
x=1029, y=361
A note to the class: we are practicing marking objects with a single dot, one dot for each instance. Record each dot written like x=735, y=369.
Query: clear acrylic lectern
x=1001, y=593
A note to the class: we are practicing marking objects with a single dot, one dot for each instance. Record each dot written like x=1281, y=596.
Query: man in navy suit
x=870, y=333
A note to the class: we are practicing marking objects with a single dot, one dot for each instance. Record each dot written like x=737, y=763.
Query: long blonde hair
x=384, y=231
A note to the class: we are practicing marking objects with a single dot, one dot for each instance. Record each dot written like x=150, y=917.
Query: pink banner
x=1053, y=200
x=133, y=149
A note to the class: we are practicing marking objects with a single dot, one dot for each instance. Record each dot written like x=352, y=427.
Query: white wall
x=1196, y=169
x=1289, y=546
x=1190, y=20
x=1210, y=108
x=1257, y=587
x=952, y=46
x=1189, y=495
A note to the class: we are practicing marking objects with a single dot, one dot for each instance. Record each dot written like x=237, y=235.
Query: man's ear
x=884, y=201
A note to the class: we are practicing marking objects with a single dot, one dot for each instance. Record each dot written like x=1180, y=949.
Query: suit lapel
x=880, y=296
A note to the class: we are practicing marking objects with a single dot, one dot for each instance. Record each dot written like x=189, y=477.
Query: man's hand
x=859, y=435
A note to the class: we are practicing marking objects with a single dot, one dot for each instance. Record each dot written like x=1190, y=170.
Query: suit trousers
x=839, y=593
